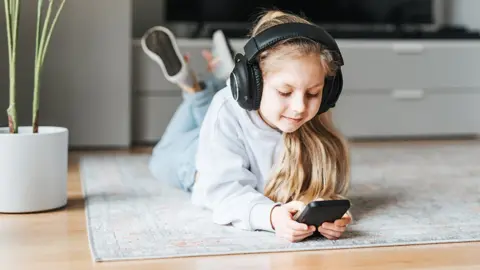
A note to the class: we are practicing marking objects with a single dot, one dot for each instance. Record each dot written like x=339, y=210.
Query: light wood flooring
x=58, y=240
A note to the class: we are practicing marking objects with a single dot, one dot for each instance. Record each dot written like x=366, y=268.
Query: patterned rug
x=401, y=195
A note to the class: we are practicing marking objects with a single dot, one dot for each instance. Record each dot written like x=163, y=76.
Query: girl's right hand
x=284, y=225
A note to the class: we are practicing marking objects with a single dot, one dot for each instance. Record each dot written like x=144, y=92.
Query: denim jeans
x=173, y=157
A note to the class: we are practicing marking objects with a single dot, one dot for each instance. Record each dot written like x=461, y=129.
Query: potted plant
x=33, y=159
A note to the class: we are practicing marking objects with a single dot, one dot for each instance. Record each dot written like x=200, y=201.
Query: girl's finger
x=329, y=237
x=347, y=219
x=301, y=232
x=341, y=222
x=294, y=238
x=333, y=227
x=293, y=225
x=301, y=237
x=329, y=233
x=295, y=206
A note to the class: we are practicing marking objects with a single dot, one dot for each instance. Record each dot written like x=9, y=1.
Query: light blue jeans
x=173, y=157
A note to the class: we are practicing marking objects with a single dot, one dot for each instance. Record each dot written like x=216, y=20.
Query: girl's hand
x=284, y=225
x=333, y=230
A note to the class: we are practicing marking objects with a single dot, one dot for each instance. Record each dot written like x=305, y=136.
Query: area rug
x=401, y=195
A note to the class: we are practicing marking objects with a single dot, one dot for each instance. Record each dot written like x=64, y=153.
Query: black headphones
x=246, y=80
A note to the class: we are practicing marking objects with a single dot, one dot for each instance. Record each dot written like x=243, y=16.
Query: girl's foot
x=223, y=51
x=160, y=45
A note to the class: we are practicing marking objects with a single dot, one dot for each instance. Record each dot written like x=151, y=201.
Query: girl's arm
x=224, y=184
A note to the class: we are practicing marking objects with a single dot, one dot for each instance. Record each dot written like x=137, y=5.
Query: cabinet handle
x=408, y=48
x=408, y=93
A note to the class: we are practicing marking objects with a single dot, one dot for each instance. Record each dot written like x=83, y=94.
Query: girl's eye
x=285, y=94
x=313, y=95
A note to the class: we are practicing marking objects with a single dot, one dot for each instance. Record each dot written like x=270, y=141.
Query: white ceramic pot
x=33, y=169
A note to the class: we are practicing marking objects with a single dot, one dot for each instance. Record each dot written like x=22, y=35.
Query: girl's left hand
x=333, y=230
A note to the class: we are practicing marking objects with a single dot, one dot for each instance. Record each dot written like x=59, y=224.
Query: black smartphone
x=318, y=212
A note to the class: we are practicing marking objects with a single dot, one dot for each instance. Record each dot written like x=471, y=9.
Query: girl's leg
x=160, y=45
x=186, y=118
x=173, y=157
x=201, y=100
x=175, y=163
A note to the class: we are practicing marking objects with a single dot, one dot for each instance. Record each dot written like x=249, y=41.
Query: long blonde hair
x=315, y=160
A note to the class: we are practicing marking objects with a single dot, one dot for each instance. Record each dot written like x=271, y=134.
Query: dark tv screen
x=320, y=11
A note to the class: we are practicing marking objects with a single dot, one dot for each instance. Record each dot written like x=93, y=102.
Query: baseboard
x=414, y=139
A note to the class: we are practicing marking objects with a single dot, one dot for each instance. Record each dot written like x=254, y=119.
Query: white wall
x=147, y=13
x=86, y=78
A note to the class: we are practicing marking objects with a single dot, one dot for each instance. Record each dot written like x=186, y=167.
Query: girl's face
x=292, y=93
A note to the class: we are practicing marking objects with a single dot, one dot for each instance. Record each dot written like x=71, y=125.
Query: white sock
x=222, y=50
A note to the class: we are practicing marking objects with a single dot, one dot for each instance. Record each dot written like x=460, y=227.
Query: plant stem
x=54, y=22
x=12, y=9
x=41, y=46
x=36, y=75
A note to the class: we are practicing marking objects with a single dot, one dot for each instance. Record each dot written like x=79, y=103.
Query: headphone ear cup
x=331, y=91
x=240, y=82
x=337, y=87
x=327, y=90
x=256, y=86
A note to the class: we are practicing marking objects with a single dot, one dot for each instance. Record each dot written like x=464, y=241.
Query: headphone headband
x=246, y=80
x=271, y=36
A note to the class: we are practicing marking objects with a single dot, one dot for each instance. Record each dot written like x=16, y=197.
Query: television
x=335, y=14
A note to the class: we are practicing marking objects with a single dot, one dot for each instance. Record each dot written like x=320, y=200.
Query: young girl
x=256, y=168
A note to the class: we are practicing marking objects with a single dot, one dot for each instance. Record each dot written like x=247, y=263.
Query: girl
x=256, y=168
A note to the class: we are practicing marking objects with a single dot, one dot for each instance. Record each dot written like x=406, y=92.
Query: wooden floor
x=58, y=240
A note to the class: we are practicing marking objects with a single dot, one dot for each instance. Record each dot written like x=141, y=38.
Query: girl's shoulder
x=224, y=119
x=224, y=107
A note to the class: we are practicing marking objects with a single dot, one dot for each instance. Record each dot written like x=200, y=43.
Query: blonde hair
x=315, y=161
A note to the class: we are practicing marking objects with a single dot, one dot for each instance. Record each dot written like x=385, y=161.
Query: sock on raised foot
x=224, y=52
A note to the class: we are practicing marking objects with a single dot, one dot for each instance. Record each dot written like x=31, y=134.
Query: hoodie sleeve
x=224, y=183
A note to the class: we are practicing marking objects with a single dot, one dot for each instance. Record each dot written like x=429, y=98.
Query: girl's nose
x=298, y=104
